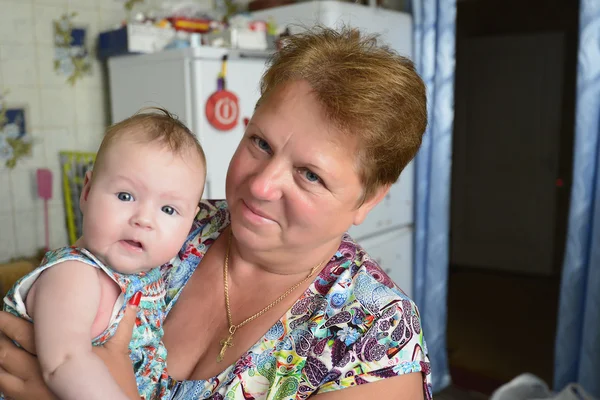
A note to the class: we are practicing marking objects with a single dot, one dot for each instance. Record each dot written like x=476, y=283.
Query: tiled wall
x=59, y=116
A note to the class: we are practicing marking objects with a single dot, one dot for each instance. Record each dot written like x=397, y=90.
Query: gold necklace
x=228, y=342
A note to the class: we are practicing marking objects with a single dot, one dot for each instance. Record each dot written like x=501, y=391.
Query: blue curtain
x=577, y=351
x=434, y=44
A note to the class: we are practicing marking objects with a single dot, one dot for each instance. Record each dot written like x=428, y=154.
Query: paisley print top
x=352, y=326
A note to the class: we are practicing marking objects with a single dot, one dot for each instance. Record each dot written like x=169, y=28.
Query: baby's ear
x=87, y=182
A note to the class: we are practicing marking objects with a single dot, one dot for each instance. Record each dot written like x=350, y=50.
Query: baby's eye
x=168, y=210
x=124, y=196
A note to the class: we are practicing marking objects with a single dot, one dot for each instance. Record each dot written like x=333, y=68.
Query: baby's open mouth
x=133, y=243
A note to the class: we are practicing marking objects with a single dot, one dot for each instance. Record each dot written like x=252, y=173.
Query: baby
x=138, y=206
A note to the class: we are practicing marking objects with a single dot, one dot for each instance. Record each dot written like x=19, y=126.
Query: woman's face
x=292, y=183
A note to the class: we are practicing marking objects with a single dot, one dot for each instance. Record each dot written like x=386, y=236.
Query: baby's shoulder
x=68, y=253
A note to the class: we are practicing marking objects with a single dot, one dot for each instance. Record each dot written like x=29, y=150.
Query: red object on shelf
x=192, y=25
x=258, y=26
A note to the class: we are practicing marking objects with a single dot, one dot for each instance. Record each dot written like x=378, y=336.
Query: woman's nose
x=267, y=182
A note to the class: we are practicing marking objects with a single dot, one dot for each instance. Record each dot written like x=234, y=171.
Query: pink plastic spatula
x=44, y=189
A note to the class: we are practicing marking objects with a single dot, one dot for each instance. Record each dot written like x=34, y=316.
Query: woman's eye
x=124, y=196
x=262, y=144
x=311, y=176
x=168, y=210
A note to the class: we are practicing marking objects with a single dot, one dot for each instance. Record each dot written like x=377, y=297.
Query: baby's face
x=140, y=204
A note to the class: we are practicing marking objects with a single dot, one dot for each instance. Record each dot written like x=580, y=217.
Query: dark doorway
x=512, y=157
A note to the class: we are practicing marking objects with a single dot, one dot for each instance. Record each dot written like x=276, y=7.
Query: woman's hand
x=115, y=352
x=20, y=374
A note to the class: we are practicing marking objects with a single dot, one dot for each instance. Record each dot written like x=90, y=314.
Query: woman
x=270, y=298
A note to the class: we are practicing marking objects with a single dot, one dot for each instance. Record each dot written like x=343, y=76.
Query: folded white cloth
x=530, y=387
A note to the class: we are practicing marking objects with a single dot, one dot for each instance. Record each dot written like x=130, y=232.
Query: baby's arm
x=66, y=301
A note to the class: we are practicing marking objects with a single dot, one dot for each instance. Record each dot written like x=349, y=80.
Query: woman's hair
x=153, y=125
x=367, y=91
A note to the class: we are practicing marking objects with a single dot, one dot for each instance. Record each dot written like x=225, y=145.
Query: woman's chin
x=256, y=238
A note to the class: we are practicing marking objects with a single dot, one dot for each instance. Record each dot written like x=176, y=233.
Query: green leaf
x=20, y=149
x=129, y=4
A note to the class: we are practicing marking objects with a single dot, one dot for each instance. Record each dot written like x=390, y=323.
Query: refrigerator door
x=158, y=79
x=149, y=80
x=243, y=77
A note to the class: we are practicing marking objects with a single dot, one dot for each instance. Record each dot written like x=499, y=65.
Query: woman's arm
x=115, y=352
x=403, y=387
x=20, y=373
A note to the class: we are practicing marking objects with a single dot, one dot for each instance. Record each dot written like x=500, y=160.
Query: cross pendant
x=225, y=343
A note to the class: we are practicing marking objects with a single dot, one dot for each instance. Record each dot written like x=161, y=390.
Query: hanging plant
x=71, y=57
x=14, y=142
x=129, y=4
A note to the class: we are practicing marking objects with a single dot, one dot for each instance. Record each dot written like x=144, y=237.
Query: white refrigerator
x=182, y=80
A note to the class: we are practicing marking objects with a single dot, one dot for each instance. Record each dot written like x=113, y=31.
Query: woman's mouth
x=255, y=214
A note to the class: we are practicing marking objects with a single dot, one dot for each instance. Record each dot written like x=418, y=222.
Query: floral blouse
x=351, y=326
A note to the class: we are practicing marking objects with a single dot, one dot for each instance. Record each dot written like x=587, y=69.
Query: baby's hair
x=152, y=125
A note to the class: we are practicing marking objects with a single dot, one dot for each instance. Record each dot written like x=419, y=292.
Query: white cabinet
x=394, y=211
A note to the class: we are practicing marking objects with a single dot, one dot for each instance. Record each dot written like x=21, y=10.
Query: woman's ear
x=87, y=182
x=371, y=202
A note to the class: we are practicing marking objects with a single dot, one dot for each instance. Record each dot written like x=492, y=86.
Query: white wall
x=59, y=116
